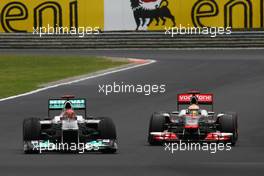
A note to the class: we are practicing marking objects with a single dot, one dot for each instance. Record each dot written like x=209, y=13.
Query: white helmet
x=193, y=109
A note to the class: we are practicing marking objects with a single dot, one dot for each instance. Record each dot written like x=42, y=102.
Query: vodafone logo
x=186, y=98
x=205, y=98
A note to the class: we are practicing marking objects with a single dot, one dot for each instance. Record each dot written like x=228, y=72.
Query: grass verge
x=21, y=73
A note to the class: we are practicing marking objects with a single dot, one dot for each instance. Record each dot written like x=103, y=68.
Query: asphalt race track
x=236, y=77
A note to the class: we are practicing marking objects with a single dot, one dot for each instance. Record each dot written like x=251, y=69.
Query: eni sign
x=241, y=14
x=23, y=15
x=203, y=9
x=26, y=15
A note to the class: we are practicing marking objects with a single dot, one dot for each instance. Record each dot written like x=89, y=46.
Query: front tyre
x=156, y=124
x=107, y=130
x=31, y=132
x=228, y=123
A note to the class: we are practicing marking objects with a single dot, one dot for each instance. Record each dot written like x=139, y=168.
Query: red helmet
x=69, y=113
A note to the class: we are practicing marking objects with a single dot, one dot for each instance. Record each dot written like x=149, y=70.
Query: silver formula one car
x=68, y=131
x=193, y=123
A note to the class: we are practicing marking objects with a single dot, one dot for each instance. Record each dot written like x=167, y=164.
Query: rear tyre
x=228, y=123
x=107, y=130
x=156, y=124
x=31, y=132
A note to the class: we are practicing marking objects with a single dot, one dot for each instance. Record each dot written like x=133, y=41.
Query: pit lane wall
x=110, y=15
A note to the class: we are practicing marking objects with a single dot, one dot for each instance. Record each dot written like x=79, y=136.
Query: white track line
x=78, y=80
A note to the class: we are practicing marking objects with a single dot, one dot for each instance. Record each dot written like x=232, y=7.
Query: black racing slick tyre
x=229, y=124
x=107, y=130
x=31, y=129
x=235, y=117
x=156, y=124
x=31, y=132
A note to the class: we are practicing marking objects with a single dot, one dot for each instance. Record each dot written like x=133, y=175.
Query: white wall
x=118, y=15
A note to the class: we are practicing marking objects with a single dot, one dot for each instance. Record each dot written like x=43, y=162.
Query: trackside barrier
x=131, y=39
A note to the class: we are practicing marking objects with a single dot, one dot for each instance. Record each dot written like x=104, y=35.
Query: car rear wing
x=59, y=104
x=201, y=99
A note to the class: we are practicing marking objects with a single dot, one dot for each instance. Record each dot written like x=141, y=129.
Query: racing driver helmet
x=193, y=109
x=69, y=114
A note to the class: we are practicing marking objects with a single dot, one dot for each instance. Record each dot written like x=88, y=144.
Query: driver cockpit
x=193, y=109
